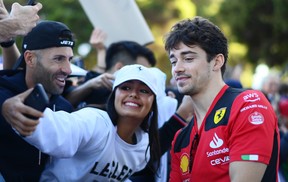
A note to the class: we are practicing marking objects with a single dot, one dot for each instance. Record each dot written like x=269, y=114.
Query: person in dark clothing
x=46, y=54
x=284, y=156
x=283, y=125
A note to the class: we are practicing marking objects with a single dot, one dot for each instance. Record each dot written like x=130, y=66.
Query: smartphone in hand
x=31, y=2
x=37, y=99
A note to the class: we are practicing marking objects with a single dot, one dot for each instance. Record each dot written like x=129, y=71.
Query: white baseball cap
x=136, y=72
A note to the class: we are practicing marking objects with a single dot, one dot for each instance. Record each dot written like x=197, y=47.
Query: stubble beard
x=42, y=75
x=186, y=89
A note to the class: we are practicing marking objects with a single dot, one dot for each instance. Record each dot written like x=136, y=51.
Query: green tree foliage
x=261, y=25
x=71, y=13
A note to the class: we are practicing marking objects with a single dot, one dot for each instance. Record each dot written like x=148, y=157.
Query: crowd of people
x=121, y=122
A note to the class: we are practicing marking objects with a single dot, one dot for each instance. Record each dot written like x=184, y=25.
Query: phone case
x=31, y=2
x=37, y=99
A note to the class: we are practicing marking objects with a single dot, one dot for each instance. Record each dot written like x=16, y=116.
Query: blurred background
x=257, y=31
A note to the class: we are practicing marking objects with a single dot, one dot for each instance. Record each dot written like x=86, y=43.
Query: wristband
x=7, y=44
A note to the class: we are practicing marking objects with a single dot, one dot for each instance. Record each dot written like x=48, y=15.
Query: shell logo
x=184, y=163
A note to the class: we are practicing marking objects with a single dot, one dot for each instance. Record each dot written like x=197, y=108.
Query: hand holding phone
x=37, y=99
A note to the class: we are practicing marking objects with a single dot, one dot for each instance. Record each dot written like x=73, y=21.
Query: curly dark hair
x=201, y=32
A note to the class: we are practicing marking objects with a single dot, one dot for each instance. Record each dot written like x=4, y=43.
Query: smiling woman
x=133, y=98
x=91, y=144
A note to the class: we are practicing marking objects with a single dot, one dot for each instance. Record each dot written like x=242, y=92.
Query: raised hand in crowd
x=97, y=39
x=20, y=21
x=104, y=80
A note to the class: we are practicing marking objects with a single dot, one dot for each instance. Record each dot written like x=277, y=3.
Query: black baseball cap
x=45, y=34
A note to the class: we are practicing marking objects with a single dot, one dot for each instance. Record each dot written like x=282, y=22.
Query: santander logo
x=216, y=142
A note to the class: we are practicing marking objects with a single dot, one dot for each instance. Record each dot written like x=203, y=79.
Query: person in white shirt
x=95, y=145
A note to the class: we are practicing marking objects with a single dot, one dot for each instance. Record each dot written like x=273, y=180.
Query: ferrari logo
x=219, y=114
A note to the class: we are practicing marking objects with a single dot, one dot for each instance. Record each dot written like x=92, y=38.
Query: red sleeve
x=253, y=128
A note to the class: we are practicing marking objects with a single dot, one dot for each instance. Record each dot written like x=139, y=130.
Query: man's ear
x=118, y=66
x=30, y=58
x=219, y=62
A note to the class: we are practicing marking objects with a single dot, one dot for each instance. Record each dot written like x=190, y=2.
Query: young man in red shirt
x=234, y=134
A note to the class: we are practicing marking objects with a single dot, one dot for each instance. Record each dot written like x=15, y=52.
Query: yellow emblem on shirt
x=219, y=114
x=184, y=163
